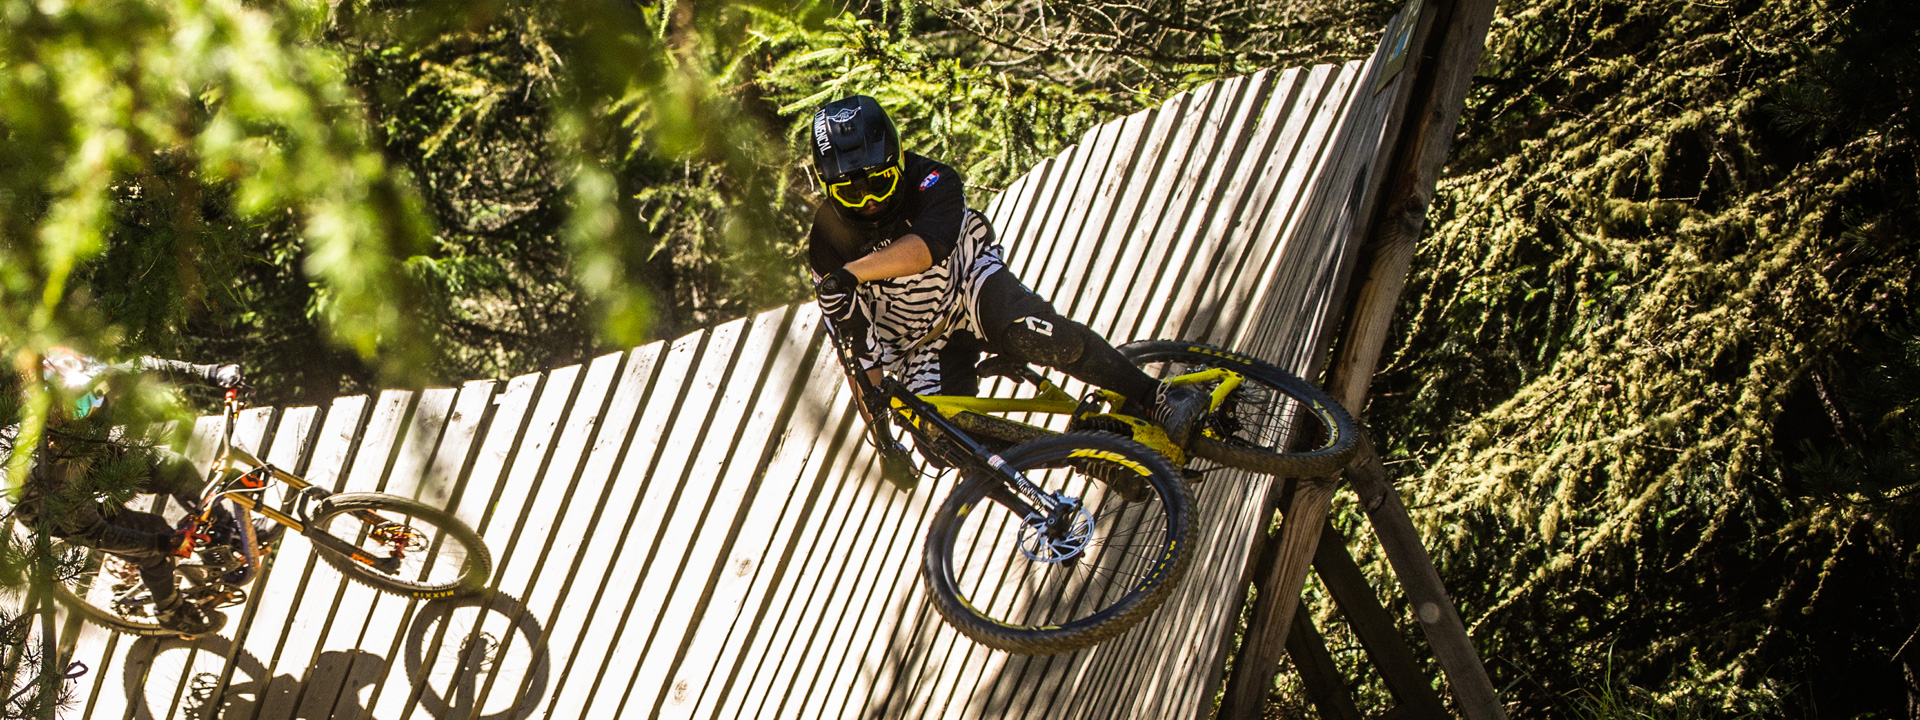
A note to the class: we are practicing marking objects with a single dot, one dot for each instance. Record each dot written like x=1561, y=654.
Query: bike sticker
x=1112, y=457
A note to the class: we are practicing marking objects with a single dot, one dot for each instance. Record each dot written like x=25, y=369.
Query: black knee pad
x=1045, y=339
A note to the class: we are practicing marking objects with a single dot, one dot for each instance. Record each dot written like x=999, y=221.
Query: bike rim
x=1257, y=415
x=401, y=545
x=998, y=575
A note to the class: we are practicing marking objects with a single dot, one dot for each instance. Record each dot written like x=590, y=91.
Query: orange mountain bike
x=390, y=543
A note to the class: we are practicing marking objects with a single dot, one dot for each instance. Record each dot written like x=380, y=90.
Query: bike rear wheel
x=1274, y=422
x=402, y=546
x=105, y=590
x=1011, y=584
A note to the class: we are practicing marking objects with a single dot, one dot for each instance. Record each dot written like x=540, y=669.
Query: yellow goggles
x=858, y=189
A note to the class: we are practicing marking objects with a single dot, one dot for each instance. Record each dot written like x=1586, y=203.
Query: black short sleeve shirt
x=932, y=205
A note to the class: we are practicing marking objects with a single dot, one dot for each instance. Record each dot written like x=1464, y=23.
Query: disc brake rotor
x=1058, y=537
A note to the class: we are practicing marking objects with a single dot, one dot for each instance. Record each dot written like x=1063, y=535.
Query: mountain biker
x=79, y=443
x=911, y=280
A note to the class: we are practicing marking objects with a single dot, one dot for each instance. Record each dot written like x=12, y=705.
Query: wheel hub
x=1059, y=536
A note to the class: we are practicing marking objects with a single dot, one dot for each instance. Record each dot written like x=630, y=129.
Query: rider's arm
x=907, y=256
x=225, y=376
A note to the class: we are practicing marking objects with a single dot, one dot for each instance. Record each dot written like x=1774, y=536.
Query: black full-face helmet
x=856, y=151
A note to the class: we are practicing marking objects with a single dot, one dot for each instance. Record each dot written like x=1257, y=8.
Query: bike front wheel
x=1274, y=422
x=1105, y=557
x=401, y=546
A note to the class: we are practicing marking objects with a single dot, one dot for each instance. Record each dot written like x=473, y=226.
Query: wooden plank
x=291, y=444
x=837, y=559
x=1108, y=220
x=421, y=438
x=1072, y=239
x=725, y=625
x=608, y=617
x=653, y=582
x=887, y=570
x=1324, y=94
x=556, y=603
x=524, y=477
x=1257, y=228
x=1213, y=198
x=1162, y=152
x=1260, y=652
x=568, y=411
x=306, y=603
x=170, y=675
x=497, y=450
x=1162, y=144
x=1220, y=242
x=438, y=441
x=708, y=509
x=1193, y=209
x=1206, y=600
x=1013, y=225
x=816, y=560
x=1046, y=214
x=1336, y=217
x=329, y=653
x=826, y=401
x=1283, y=284
x=436, y=679
x=1175, y=173
x=379, y=627
x=1373, y=626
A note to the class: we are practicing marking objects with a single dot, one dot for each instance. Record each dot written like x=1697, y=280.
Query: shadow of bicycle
x=462, y=658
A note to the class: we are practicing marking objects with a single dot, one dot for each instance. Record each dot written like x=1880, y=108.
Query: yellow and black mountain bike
x=1055, y=541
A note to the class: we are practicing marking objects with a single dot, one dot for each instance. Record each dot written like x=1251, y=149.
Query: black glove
x=837, y=282
x=230, y=377
x=897, y=468
x=835, y=293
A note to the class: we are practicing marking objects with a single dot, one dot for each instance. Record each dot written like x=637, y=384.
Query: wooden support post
x=1325, y=687
x=1450, y=44
x=1446, y=69
x=1452, y=647
x=1375, y=628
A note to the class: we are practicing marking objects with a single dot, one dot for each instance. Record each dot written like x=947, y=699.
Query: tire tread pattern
x=1106, y=623
x=479, y=563
x=1325, y=460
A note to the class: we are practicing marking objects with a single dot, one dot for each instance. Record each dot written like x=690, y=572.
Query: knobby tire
x=985, y=587
x=1276, y=423
x=337, y=516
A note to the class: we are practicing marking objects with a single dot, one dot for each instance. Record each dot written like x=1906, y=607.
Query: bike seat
x=1007, y=367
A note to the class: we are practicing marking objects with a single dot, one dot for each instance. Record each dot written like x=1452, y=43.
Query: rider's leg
x=1025, y=326
x=156, y=564
x=958, y=358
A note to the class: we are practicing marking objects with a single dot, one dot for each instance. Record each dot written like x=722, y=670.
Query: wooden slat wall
x=695, y=529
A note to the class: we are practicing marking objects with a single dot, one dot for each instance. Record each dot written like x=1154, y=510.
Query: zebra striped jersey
x=912, y=316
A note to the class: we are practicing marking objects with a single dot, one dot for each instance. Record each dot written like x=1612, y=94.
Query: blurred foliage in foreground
x=1660, y=362
x=1689, y=223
